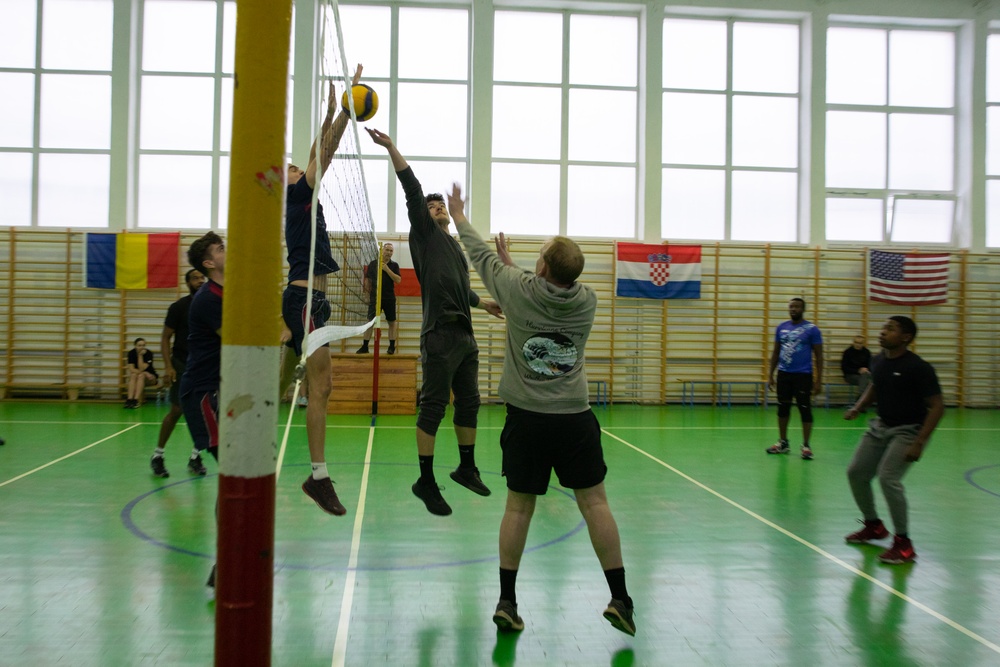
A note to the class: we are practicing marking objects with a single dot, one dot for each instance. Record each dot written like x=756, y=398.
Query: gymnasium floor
x=733, y=557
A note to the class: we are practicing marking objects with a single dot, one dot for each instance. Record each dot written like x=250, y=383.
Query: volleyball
x=365, y=101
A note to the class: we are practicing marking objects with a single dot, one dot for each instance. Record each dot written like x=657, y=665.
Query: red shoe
x=900, y=552
x=873, y=530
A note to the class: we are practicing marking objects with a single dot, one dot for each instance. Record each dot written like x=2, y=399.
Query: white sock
x=195, y=453
x=319, y=471
x=158, y=452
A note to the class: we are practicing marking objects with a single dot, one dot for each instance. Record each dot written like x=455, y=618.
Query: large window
x=423, y=98
x=185, y=113
x=55, y=113
x=993, y=141
x=890, y=135
x=730, y=130
x=564, y=124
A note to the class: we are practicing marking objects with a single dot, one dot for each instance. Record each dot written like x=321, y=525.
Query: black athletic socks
x=467, y=456
x=507, y=579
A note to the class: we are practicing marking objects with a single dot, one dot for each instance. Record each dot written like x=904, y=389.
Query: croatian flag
x=658, y=271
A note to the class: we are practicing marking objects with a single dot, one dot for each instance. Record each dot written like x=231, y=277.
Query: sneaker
x=506, y=617
x=392, y=349
x=780, y=447
x=873, y=530
x=807, y=453
x=620, y=616
x=196, y=466
x=469, y=478
x=302, y=402
x=362, y=350
x=431, y=495
x=900, y=552
x=321, y=491
x=211, y=578
x=159, y=469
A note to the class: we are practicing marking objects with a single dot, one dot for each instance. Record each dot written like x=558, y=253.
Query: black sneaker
x=159, y=469
x=506, y=617
x=392, y=349
x=321, y=491
x=431, y=495
x=196, y=466
x=620, y=616
x=362, y=350
x=469, y=478
x=211, y=578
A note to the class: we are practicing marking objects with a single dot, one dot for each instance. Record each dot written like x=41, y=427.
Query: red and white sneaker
x=900, y=552
x=873, y=530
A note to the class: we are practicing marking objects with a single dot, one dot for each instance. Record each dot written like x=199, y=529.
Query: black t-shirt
x=388, y=287
x=438, y=261
x=201, y=373
x=147, y=356
x=298, y=230
x=854, y=360
x=177, y=319
x=901, y=386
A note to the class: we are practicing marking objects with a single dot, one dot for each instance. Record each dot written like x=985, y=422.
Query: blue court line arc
x=132, y=527
x=969, y=474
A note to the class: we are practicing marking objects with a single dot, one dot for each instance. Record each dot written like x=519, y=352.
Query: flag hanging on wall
x=658, y=271
x=908, y=279
x=408, y=286
x=132, y=261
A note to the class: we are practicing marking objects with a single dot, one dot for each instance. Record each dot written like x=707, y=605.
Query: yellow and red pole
x=248, y=412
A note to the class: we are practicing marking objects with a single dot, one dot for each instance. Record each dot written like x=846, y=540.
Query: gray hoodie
x=547, y=331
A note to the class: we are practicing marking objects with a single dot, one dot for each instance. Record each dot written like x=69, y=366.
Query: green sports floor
x=733, y=557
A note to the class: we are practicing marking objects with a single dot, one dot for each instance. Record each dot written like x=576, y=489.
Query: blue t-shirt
x=204, y=343
x=298, y=230
x=795, y=343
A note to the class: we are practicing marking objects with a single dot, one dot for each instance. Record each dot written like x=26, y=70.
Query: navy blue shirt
x=204, y=343
x=901, y=387
x=298, y=230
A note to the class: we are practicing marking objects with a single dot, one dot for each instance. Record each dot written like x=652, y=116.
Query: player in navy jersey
x=796, y=342
x=910, y=406
x=298, y=236
x=175, y=327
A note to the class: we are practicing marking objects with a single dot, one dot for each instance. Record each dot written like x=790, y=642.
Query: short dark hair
x=199, y=249
x=136, y=341
x=800, y=300
x=187, y=275
x=564, y=259
x=435, y=196
x=906, y=325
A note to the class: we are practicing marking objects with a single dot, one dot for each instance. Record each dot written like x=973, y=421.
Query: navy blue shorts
x=534, y=444
x=201, y=411
x=293, y=310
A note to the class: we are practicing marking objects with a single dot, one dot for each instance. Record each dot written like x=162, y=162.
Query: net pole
x=250, y=337
x=378, y=330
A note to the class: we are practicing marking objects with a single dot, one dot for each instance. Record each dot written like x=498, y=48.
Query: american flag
x=908, y=279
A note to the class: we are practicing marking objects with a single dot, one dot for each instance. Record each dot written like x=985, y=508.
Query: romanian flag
x=658, y=271
x=409, y=285
x=132, y=261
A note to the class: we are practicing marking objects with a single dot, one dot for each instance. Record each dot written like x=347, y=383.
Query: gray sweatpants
x=882, y=453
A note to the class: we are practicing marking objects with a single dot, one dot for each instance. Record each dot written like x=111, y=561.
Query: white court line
x=340, y=644
x=63, y=458
x=850, y=568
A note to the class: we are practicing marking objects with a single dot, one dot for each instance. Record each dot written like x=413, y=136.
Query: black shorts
x=388, y=307
x=293, y=311
x=201, y=411
x=795, y=387
x=534, y=444
x=175, y=388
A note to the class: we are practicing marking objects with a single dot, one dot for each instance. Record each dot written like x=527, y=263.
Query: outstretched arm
x=330, y=134
x=385, y=141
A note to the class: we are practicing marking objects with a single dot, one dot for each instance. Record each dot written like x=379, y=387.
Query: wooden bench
x=688, y=386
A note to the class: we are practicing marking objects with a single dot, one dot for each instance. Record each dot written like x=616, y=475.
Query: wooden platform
x=352, y=384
